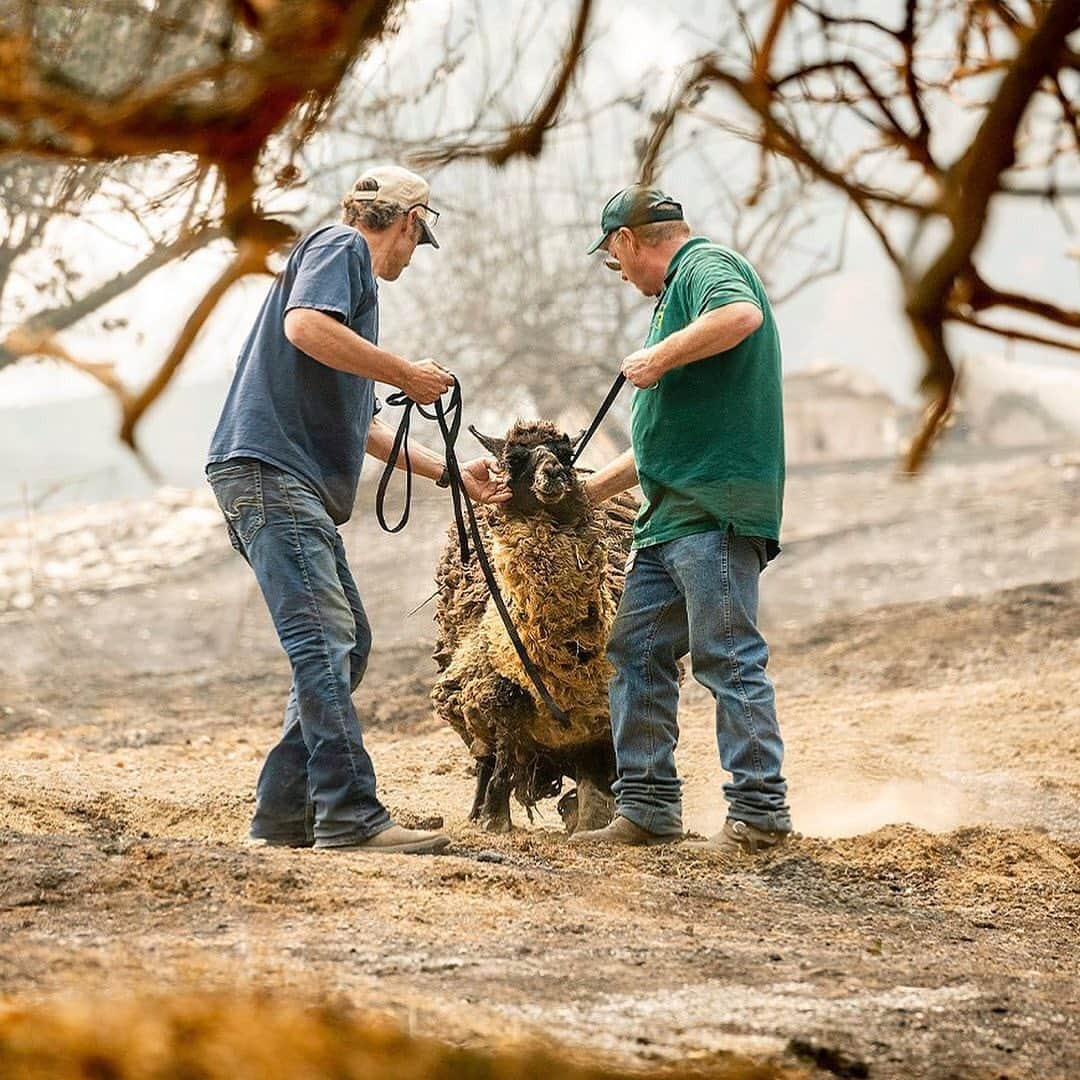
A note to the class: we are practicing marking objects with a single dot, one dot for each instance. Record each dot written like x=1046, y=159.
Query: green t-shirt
x=709, y=437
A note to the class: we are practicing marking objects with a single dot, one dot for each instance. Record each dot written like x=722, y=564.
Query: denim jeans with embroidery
x=698, y=595
x=318, y=782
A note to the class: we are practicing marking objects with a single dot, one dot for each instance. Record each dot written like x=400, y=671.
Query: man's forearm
x=714, y=332
x=380, y=444
x=615, y=477
x=323, y=338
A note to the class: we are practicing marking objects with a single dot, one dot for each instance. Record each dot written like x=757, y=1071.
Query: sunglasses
x=605, y=257
x=430, y=216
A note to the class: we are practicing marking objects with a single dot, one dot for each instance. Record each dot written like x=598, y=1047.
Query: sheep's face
x=537, y=459
x=544, y=471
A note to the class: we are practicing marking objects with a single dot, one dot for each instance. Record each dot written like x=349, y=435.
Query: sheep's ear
x=578, y=437
x=491, y=445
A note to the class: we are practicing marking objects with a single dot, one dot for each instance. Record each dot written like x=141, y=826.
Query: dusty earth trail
x=924, y=925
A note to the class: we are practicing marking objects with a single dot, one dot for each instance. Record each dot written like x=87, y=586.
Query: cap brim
x=598, y=245
x=427, y=236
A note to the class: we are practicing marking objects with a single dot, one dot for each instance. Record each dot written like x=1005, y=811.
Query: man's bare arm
x=481, y=477
x=324, y=339
x=714, y=332
x=615, y=477
x=381, y=442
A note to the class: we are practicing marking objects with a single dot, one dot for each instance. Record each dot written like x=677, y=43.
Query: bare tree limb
x=944, y=289
x=45, y=323
x=525, y=139
x=251, y=258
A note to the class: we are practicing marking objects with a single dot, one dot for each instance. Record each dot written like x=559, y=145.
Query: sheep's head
x=536, y=457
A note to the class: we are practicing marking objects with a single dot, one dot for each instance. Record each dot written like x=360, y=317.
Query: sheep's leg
x=595, y=802
x=568, y=810
x=485, y=767
x=596, y=805
x=495, y=814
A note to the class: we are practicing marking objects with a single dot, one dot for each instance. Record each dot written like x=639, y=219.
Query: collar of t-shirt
x=693, y=242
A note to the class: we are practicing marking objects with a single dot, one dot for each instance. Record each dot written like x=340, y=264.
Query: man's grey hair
x=659, y=232
x=375, y=215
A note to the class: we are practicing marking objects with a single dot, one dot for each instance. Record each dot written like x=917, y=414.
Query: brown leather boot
x=738, y=839
x=623, y=831
x=396, y=840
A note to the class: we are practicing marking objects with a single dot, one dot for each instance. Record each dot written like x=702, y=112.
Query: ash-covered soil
x=926, y=650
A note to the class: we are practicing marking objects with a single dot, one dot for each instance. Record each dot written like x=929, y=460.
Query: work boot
x=396, y=840
x=623, y=831
x=738, y=839
x=279, y=841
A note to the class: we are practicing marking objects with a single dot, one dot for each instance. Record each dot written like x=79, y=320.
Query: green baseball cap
x=636, y=205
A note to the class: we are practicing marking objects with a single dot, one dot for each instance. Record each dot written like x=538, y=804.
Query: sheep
x=559, y=562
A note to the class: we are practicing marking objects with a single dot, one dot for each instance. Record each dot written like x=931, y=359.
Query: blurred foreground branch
x=214, y=79
x=797, y=66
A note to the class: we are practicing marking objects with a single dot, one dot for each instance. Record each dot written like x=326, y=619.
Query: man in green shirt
x=708, y=451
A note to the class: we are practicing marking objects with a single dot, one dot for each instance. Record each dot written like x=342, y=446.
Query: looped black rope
x=448, y=418
x=450, y=429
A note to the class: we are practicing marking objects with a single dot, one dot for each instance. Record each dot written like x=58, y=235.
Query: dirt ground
x=926, y=652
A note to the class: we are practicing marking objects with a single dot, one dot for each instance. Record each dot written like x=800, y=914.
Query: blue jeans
x=318, y=782
x=697, y=594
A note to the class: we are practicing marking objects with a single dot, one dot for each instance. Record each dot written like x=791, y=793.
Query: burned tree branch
x=1017, y=334
x=524, y=139
x=62, y=317
x=217, y=83
x=973, y=180
x=251, y=258
x=873, y=74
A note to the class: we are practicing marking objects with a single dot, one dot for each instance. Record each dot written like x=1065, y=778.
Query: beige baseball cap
x=394, y=184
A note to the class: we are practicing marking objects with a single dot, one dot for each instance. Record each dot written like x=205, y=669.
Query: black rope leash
x=605, y=408
x=401, y=399
x=450, y=429
x=448, y=418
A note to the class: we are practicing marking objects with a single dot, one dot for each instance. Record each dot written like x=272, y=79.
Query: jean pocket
x=219, y=473
x=238, y=490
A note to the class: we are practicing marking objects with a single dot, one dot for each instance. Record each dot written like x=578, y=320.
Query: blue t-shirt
x=290, y=410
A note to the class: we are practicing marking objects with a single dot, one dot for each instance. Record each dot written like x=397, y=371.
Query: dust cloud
x=835, y=807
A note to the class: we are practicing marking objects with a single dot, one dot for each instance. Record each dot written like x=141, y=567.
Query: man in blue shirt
x=284, y=464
